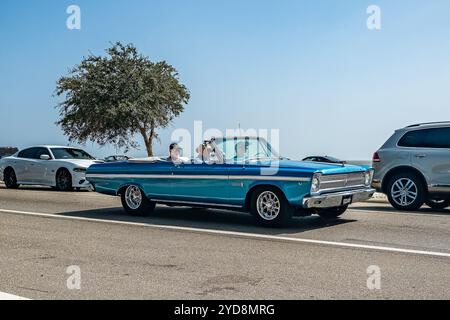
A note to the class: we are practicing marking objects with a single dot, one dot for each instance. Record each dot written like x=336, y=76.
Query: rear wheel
x=438, y=204
x=270, y=207
x=63, y=180
x=135, y=202
x=406, y=191
x=332, y=213
x=10, y=179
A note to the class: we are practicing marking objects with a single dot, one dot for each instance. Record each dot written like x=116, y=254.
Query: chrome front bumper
x=337, y=199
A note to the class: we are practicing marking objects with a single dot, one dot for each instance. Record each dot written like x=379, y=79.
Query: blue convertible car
x=241, y=173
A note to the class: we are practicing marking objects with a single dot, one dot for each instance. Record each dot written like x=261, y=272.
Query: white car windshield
x=69, y=153
x=245, y=149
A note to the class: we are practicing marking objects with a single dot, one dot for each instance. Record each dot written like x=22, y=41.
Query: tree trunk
x=148, y=140
x=149, y=147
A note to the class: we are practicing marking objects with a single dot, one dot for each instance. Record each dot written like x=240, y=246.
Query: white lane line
x=237, y=234
x=7, y=296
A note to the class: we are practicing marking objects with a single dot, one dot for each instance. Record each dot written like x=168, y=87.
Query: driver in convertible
x=175, y=152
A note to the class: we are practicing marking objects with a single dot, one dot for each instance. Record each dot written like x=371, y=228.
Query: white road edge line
x=236, y=233
x=6, y=296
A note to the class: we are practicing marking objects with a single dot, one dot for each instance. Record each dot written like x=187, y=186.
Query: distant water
x=360, y=162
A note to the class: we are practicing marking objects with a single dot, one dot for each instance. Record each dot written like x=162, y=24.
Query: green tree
x=110, y=99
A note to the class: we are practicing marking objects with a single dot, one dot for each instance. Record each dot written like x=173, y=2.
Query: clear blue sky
x=309, y=68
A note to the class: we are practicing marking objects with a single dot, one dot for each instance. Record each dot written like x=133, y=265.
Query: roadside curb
x=378, y=197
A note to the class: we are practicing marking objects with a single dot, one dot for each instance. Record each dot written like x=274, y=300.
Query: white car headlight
x=368, y=178
x=315, y=183
x=79, y=169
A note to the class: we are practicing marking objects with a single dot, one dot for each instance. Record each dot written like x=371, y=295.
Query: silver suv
x=413, y=167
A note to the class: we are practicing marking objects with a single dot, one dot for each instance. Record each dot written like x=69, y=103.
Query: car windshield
x=245, y=149
x=69, y=153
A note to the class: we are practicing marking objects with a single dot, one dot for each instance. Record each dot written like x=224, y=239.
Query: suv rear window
x=426, y=138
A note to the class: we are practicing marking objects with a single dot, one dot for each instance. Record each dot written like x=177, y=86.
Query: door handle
x=421, y=156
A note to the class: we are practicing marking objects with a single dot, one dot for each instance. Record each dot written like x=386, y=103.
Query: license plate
x=346, y=200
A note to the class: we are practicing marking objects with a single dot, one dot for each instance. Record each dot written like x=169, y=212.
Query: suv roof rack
x=428, y=123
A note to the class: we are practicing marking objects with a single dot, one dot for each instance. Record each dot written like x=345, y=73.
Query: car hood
x=80, y=162
x=313, y=167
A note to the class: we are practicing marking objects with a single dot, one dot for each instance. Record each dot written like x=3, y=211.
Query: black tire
x=412, y=202
x=144, y=207
x=63, y=180
x=438, y=204
x=10, y=179
x=332, y=213
x=283, y=211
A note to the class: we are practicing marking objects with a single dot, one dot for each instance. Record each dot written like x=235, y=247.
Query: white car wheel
x=135, y=202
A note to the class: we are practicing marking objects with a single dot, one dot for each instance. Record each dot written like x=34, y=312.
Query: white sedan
x=63, y=168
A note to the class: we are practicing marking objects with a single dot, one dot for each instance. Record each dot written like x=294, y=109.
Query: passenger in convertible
x=203, y=154
x=241, y=149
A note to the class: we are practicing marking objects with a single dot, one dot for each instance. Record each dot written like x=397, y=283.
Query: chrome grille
x=345, y=181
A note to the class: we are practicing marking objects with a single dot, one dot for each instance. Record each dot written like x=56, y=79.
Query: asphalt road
x=181, y=253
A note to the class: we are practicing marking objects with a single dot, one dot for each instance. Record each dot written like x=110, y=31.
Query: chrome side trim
x=276, y=178
x=440, y=185
x=195, y=177
x=439, y=188
x=196, y=203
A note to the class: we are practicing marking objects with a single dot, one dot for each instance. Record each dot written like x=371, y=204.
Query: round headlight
x=315, y=184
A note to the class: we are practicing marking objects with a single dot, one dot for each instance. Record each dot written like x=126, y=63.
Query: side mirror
x=45, y=157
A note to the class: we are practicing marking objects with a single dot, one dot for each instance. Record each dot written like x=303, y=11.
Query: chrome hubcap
x=133, y=197
x=404, y=192
x=268, y=205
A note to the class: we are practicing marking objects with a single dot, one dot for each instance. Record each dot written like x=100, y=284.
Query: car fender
x=294, y=191
x=123, y=186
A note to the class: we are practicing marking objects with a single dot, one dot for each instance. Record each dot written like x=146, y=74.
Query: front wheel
x=63, y=180
x=270, y=208
x=10, y=179
x=332, y=213
x=135, y=202
x=438, y=204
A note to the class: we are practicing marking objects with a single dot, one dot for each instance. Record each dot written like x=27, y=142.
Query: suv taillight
x=376, y=157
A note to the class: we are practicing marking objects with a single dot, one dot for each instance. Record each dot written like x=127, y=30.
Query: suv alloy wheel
x=406, y=191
